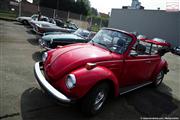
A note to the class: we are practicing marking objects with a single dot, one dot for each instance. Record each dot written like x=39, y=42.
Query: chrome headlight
x=70, y=81
x=40, y=41
x=44, y=56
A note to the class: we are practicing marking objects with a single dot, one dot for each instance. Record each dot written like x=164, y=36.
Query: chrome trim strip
x=135, y=88
x=142, y=59
x=43, y=82
x=110, y=61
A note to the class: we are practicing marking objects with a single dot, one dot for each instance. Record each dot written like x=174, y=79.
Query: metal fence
x=28, y=9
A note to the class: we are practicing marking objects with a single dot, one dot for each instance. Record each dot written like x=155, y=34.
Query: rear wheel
x=94, y=101
x=159, y=78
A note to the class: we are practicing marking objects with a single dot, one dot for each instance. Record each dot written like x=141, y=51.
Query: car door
x=139, y=68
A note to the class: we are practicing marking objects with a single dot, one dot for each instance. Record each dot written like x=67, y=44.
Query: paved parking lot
x=21, y=97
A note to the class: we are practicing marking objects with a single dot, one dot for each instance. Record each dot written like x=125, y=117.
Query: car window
x=59, y=23
x=44, y=19
x=83, y=33
x=34, y=17
x=72, y=26
x=52, y=21
x=115, y=41
x=92, y=34
x=145, y=48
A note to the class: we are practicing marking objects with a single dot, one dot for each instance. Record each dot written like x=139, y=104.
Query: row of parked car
x=55, y=32
x=112, y=63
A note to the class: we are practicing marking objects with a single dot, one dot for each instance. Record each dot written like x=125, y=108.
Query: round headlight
x=44, y=56
x=70, y=81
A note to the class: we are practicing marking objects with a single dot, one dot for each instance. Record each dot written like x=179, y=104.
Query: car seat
x=140, y=49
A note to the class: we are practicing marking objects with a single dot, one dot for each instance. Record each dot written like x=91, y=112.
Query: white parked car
x=26, y=20
x=43, y=20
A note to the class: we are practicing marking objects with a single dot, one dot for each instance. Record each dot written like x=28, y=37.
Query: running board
x=132, y=88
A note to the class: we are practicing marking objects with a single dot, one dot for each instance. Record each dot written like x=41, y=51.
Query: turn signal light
x=90, y=66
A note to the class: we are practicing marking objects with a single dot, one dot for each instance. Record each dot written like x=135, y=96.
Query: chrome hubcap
x=159, y=78
x=99, y=100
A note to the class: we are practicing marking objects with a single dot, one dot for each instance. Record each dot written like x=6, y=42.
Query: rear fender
x=87, y=79
x=162, y=66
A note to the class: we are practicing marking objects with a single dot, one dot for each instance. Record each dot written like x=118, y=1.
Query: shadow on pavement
x=37, y=105
x=37, y=56
x=30, y=31
x=33, y=41
x=18, y=23
x=151, y=102
x=143, y=102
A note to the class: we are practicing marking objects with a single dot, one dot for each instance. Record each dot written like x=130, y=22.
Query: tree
x=78, y=6
x=93, y=11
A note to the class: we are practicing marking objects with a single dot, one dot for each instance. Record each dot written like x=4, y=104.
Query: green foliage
x=78, y=6
x=97, y=22
x=7, y=15
x=93, y=11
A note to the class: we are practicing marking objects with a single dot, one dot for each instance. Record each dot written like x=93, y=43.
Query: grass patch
x=8, y=15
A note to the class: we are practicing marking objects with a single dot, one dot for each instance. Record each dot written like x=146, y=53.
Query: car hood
x=61, y=37
x=64, y=60
x=26, y=18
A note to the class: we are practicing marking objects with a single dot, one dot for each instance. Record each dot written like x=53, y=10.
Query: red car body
x=161, y=42
x=91, y=64
x=167, y=44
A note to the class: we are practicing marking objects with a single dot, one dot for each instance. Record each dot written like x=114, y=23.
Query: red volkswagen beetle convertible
x=114, y=62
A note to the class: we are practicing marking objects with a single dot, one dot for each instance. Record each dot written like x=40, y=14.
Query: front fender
x=87, y=79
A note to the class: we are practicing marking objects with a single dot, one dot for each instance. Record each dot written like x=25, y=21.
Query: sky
x=106, y=5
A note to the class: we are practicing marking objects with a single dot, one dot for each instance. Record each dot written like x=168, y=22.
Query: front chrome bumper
x=42, y=45
x=48, y=87
x=36, y=31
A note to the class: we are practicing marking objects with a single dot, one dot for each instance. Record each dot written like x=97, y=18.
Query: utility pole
x=38, y=5
x=19, y=7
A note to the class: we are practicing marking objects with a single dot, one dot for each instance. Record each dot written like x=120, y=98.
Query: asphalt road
x=21, y=97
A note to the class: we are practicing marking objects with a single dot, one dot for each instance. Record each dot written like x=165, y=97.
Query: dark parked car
x=176, y=50
x=52, y=40
x=111, y=64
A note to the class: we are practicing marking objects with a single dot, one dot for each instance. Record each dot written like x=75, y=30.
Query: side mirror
x=133, y=54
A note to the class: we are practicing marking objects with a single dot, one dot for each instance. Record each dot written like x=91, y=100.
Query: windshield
x=113, y=40
x=34, y=17
x=82, y=33
x=72, y=26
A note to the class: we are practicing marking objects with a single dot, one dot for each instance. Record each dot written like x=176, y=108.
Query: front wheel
x=25, y=22
x=159, y=78
x=94, y=101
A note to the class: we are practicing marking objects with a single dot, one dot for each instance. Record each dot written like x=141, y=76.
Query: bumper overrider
x=48, y=87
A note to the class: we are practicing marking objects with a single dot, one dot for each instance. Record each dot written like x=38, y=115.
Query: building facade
x=152, y=23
